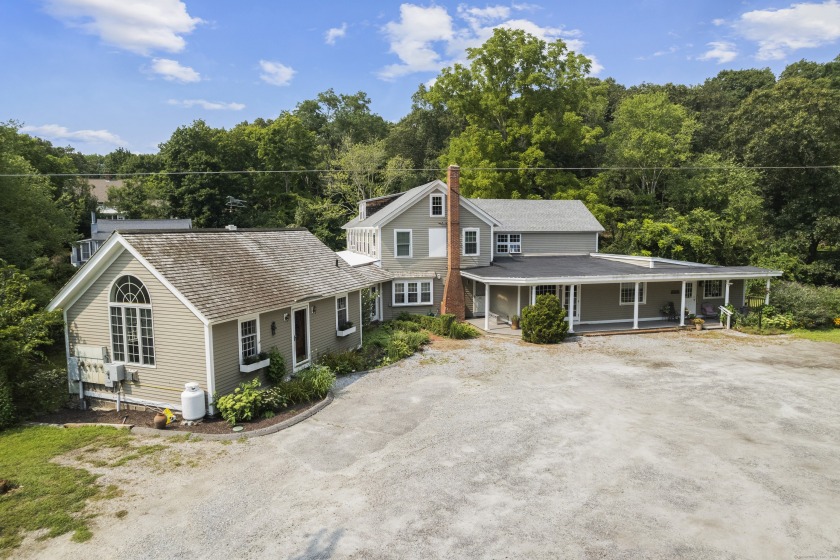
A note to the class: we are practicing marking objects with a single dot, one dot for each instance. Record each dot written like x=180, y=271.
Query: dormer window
x=436, y=209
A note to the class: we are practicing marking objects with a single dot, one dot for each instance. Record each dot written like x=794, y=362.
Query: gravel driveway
x=679, y=445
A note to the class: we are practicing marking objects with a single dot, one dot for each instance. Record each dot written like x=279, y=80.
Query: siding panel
x=534, y=243
x=600, y=302
x=178, y=335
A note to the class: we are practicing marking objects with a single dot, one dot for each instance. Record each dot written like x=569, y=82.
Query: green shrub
x=406, y=316
x=276, y=370
x=316, y=380
x=7, y=407
x=342, y=363
x=295, y=392
x=397, y=349
x=445, y=322
x=462, y=330
x=408, y=326
x=274, y=398
x=429, y=322
x=245, y=403
x=544, y=322
x=809, y=306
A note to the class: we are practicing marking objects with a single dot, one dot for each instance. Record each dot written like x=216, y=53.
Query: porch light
x=273, y=328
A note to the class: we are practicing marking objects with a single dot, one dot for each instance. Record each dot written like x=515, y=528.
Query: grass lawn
x=46, y=495
x=822, y=335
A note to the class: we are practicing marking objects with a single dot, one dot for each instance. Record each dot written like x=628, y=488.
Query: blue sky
x=99, y=74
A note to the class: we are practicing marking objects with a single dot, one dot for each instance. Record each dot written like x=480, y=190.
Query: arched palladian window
x=132, y=338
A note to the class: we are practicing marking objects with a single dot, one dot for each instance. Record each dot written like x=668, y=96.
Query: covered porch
x=607, y=292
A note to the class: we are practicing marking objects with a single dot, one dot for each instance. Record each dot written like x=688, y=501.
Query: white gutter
x=211, y=368
x=617, y=279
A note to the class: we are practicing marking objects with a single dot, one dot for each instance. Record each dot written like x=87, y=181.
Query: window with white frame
x=341, y=312
x=84, y=250
x=436, y=208
x=471, y=245
x=627, y=291
x=713, y=289
x=689, y=290
x=402, y=243
x=508, y=243
x=412, y=292
x=249, y=341
x=567, y=296
x=132, y=335
x=546, y=289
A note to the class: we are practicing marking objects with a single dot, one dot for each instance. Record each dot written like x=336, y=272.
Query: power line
x=331, y=171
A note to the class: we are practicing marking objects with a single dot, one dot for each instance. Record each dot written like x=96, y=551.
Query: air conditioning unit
x=114, y=372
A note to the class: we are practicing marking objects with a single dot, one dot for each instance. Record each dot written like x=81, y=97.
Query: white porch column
x=726, y=292
x=487, y=307
x=519, y=300
x=571, y=310
x=767, y=291
x=682, y=305
x=533, y=295
x=636, y=306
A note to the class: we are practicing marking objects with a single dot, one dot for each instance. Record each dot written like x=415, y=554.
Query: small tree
x=544, y=322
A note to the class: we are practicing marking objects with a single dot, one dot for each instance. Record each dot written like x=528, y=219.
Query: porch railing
x=728, y=313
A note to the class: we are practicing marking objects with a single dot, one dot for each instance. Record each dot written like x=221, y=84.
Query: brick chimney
x=453, y=291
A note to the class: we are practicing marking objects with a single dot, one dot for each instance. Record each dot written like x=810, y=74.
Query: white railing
x=728, y=313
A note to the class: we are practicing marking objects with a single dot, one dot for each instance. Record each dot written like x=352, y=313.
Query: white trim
x=682, y=303
x=346, y=297
x=419, y=281
x=492, y=245
x=304, y=364
x=649, y=260
x=162, y=280
x=97, y=264
x=211, y=368
x=410, y=244
x=496, y=242
x=596, y=241
x=361, y=319
x=706, y=286
x=464, y=242
x=239, y=322
x=487, y=307
x=617, y=279
x=644, y=294
x=442, y=203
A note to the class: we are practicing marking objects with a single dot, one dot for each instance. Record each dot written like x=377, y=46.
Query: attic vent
x=230, y=227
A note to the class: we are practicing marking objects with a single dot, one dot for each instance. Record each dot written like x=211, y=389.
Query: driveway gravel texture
x=676, y=445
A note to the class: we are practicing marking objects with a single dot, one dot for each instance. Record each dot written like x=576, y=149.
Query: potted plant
x=255, y=362
x=345, y=328
x=698, y=323
x=514, y=322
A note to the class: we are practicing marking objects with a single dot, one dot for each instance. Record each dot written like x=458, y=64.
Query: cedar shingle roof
x=228, y=274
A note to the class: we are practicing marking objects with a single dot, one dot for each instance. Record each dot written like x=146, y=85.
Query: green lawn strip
x=821, y=335
x=46, y=495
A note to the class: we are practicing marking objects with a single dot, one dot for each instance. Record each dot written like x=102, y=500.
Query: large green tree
x=520, y=99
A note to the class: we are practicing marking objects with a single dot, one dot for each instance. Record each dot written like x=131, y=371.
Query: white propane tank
x=192, y=402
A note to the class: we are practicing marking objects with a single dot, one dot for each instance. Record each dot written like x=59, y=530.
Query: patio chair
x=708, y=310
x=669, y=312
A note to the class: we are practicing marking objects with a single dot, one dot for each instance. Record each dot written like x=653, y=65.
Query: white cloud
x=801, y=26
x=721, y=51
x=173, y=71
x=426, y=39
x=140, y=26
x=60, y=133
x=208, y=105
x=275, y=73
x=335, y=33
x=718, y=22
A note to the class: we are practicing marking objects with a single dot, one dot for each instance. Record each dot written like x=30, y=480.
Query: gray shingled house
x=488, y=259
x=199, y=306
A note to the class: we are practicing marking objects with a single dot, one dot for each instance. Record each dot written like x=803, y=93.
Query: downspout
x=211, y=374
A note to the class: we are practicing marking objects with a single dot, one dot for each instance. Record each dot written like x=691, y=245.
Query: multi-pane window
x=341, y=310
x=132, y=334
x=84, y=251
x=547, y=289
x=713, y=289
x=627, y=291
x=436, y=205
x=470, y=241
x=508, y=243
x=412, y=292
x=248, y=343
x=567, y=296
x=403, y=242
x=689, y=290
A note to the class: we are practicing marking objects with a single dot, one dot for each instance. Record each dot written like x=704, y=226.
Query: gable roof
x=225, y=274
x=407, y=200
x=104, y=228
x=540, y=215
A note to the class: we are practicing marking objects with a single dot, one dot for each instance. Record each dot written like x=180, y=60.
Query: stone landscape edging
x=143, y=430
